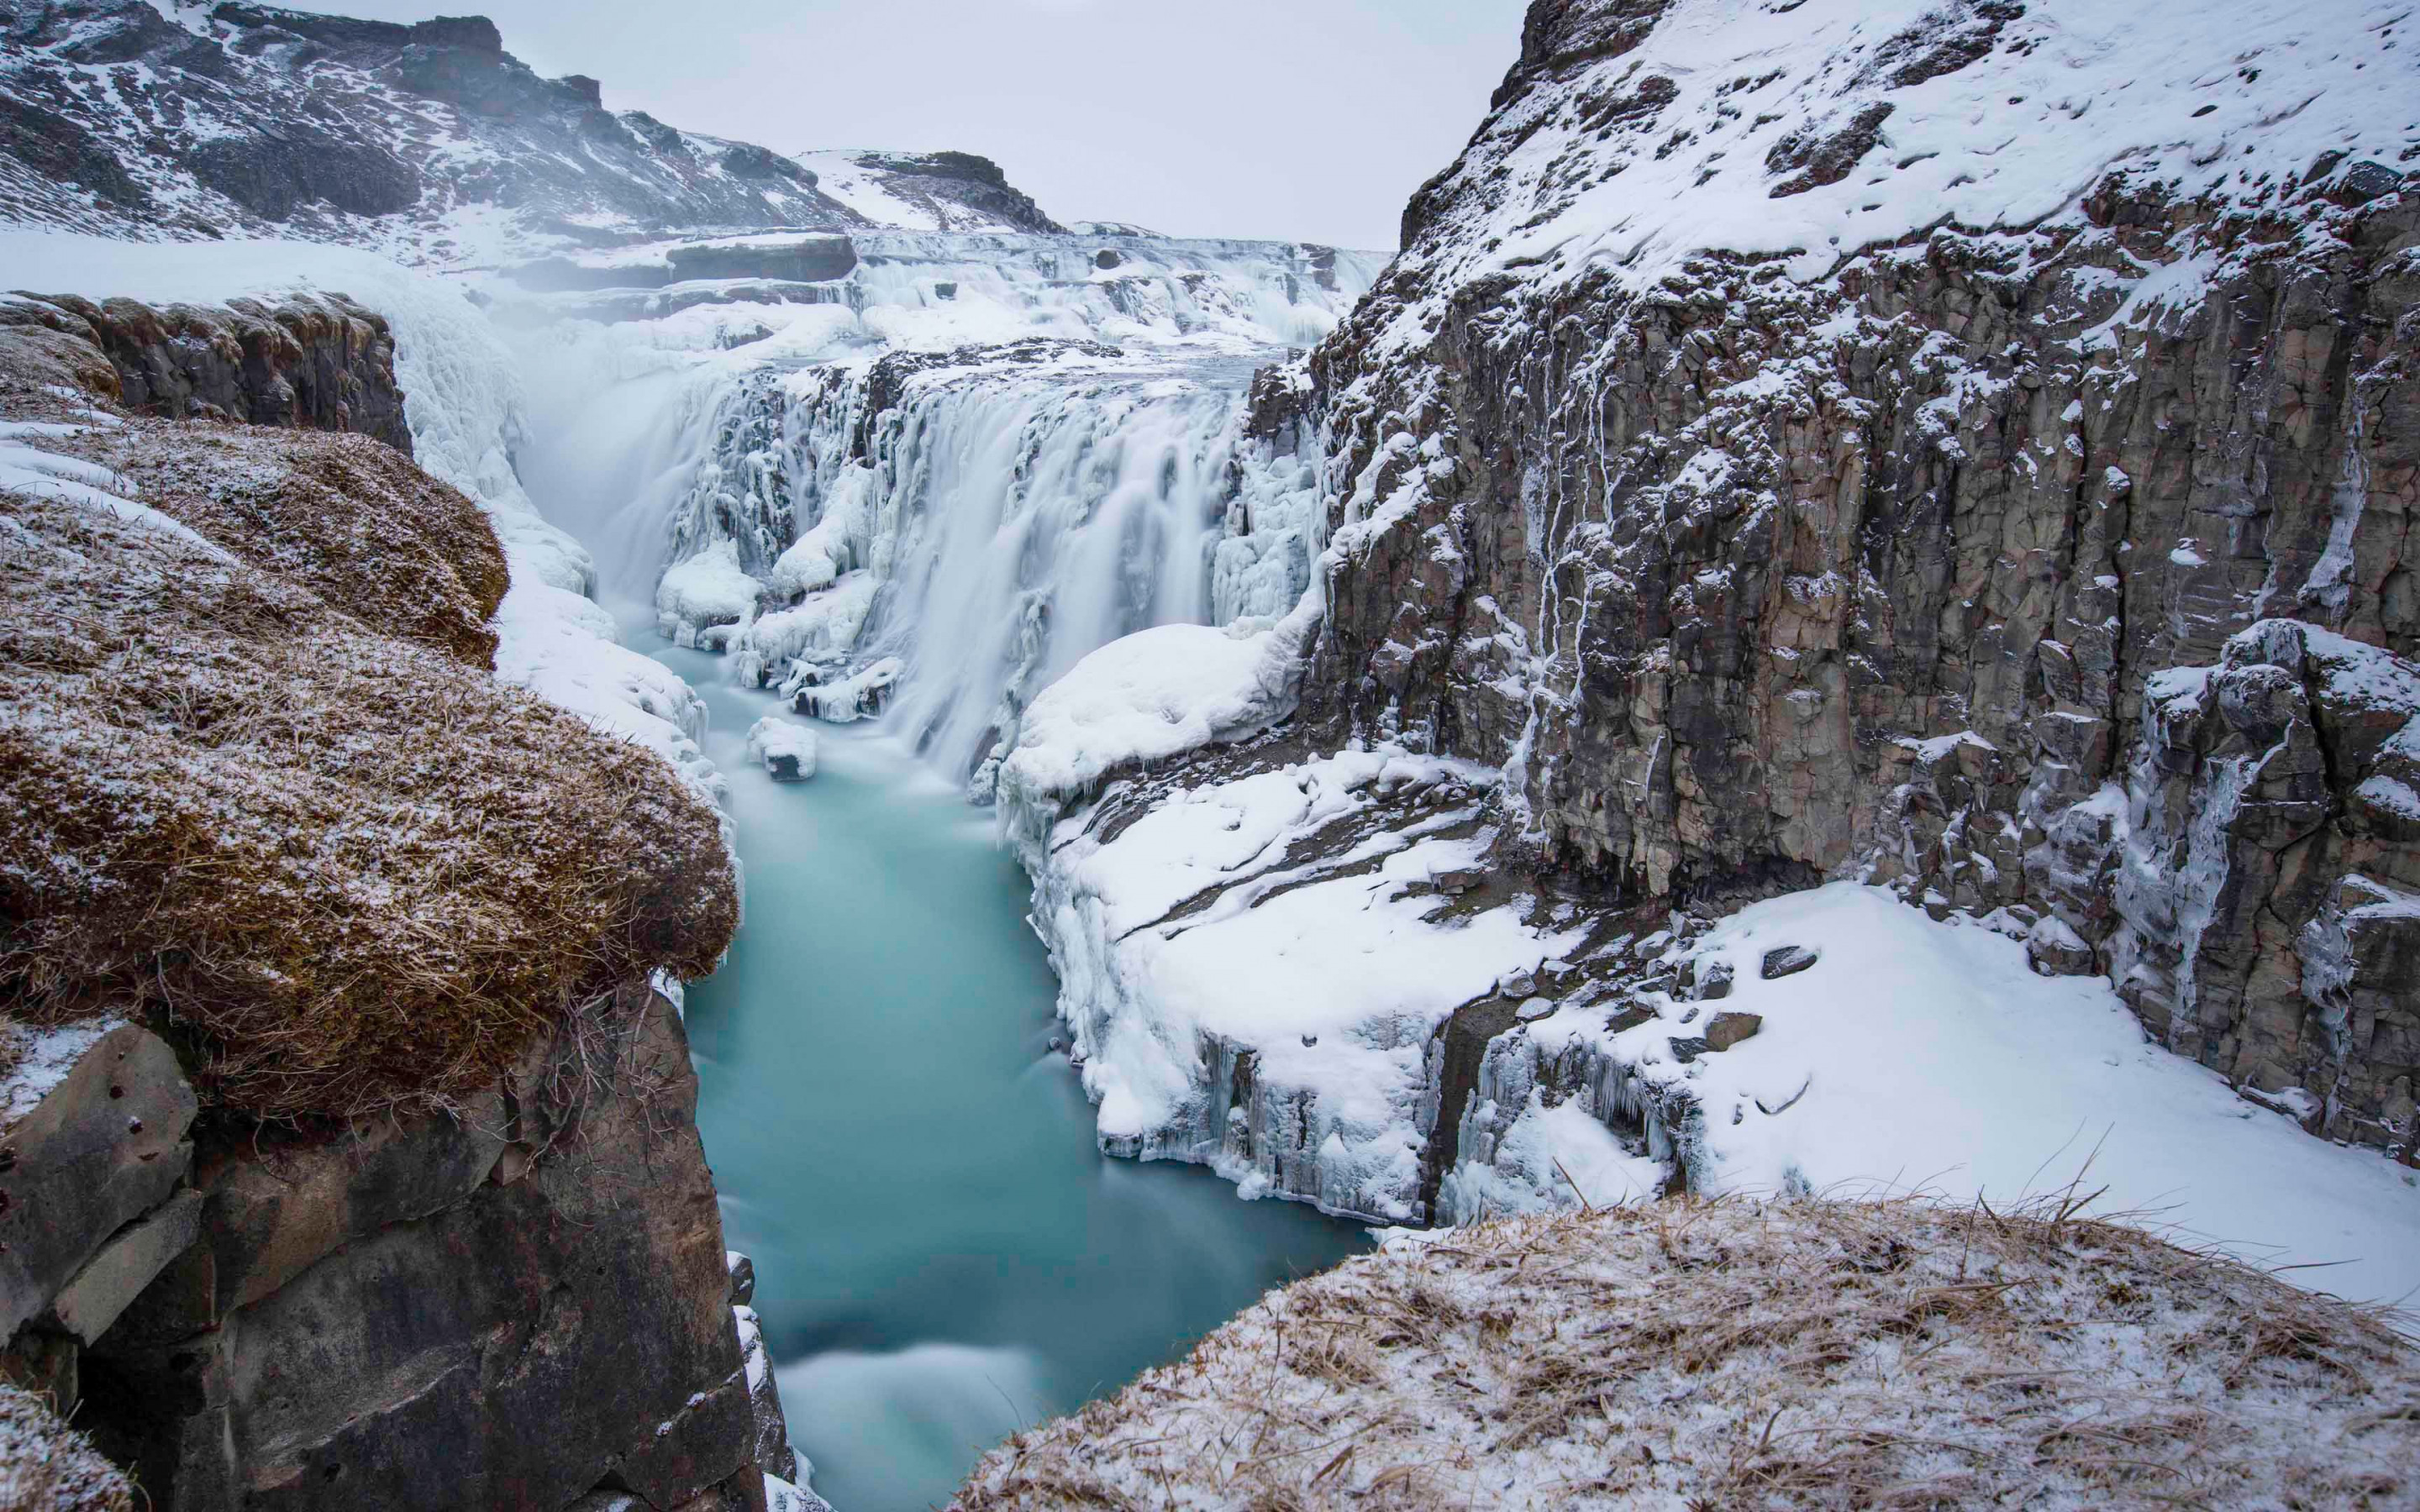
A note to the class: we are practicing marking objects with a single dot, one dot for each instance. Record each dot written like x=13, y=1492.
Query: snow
x=781, y=1496
x=1245, y=917
x=1150, y=696
x=2397, y=797
x=42, y=474
x=1912, y=1056
x=43, y=1058
x=2239, y=96
x=1933, y=1058
x=858, y=696
x=709, y=589
x=839, y=174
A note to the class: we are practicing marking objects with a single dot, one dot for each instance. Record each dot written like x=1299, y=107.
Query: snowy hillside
x=183, y=119
x=1633, y=135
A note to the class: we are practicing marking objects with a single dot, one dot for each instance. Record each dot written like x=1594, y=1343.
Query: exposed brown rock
x=306, y=361
x=1728, y=1029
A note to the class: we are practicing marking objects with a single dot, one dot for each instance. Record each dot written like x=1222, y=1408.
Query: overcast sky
x=1297, y=119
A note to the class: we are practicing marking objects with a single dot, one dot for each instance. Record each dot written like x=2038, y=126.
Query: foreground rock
x=1741, y=1353
x=387, y=1309
x=346, y=1151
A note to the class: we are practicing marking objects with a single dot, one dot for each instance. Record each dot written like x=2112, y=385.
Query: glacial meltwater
x=942, y=1255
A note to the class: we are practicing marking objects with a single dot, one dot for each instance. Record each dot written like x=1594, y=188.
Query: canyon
x=1838, y=617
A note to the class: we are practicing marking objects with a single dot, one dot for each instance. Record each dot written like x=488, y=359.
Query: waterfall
x=930, y=491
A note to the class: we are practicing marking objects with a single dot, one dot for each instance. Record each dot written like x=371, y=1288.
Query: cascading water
x=944, y=527
x=906, y=501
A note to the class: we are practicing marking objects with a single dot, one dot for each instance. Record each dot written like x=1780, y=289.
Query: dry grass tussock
x=45, y=1466
x=261, y=789
x=1737, y=1354
x=351, y=520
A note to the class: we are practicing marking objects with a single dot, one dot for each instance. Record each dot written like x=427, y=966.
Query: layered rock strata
x=308, y=362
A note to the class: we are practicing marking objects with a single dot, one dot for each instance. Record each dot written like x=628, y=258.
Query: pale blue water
x=941, y=1253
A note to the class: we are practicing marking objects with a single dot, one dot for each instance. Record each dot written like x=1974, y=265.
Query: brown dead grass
x=347, y=518
x=349, y=867
x=1745, y=1354
x=46, y=1466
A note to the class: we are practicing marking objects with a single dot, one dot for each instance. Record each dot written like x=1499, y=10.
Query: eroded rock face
x=1752, y=576
x=308, y=361
x=511, y=1309
x=99, y=1143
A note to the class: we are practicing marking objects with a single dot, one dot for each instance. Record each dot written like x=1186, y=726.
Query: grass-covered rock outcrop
x=259, y=786
x=1812, y=1354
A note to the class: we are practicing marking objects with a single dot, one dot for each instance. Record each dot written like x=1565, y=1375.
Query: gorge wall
x=1808, y=454
x=346, y=1149
x=2061, y=569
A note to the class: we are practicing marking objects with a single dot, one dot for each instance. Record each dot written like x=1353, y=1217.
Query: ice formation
x=932, y=485
x=786, y=748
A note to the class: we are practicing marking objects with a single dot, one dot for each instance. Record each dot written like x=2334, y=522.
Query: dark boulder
x=1789, y=961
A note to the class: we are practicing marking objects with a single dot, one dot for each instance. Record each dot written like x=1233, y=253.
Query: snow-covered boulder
x=787, y=750
x=1141, y=700
x=861, y=695
x=706, y=594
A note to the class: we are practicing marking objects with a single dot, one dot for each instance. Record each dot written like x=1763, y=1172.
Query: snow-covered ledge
x=1293, y=966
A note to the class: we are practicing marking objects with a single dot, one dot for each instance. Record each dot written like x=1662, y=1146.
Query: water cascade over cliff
x=940, y=479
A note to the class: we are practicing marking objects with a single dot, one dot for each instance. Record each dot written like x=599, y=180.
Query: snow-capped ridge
x=429, y=141
x=1635, y=135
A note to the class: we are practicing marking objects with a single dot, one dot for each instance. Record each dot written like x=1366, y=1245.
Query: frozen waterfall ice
x=932, y=487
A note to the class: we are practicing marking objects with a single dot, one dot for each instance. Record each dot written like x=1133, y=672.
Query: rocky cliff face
x=283, y=1222
x=381, y=1311
x=430, y=141
x=517, y=1305
x=308, y=362
x=2057, y=561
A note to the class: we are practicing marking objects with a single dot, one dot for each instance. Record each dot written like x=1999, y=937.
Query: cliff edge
x=344, y=1136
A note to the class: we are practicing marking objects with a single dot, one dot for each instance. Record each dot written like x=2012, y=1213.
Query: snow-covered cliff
x=1962, y=449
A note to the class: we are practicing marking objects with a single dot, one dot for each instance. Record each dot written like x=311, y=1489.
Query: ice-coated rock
x=786, y=748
